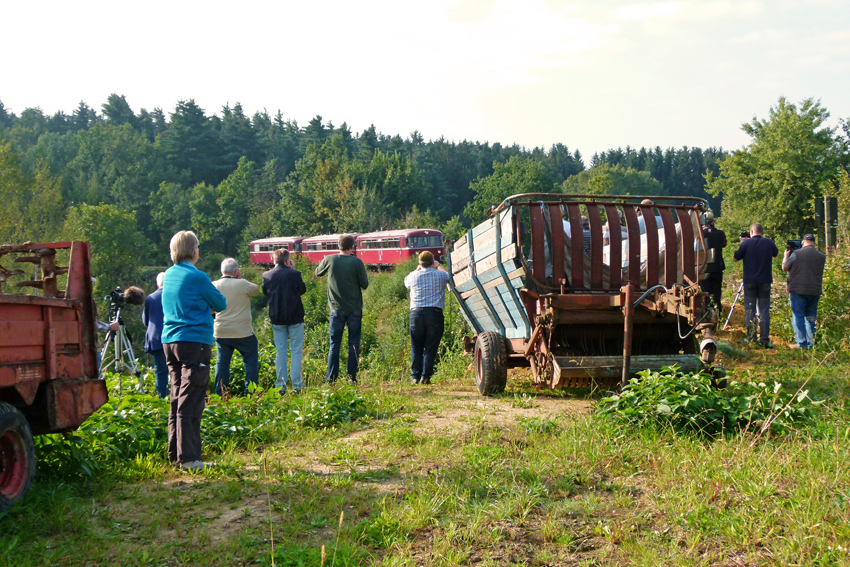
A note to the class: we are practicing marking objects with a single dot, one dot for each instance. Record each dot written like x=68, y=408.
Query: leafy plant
x=689, y=403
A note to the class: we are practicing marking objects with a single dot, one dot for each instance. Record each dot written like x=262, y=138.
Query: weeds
x=689, y=403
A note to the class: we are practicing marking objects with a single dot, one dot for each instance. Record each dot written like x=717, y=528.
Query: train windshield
x=432, y=241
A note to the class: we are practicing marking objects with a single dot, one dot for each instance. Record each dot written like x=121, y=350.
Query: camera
x=792, y=245
x=744, y=234
x=116, y=297
x=131, y=296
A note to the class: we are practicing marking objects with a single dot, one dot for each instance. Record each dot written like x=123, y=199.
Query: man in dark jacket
x=758, y=253
x=715, y=240
x=284, y=287
x=805, y=285
x=152, y=318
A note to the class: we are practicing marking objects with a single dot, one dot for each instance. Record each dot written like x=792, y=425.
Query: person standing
x=427, y=285
x=188, y=299
x=715, y=240
x=805, y=286
x=234, y=328
x=757, y=253
x=346, y=280
x=152, y=319
x=284, y=287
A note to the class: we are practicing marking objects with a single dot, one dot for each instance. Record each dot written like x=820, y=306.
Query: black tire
x=17, y=456
x=491, y=363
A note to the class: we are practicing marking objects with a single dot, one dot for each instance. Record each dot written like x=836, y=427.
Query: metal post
x=628, y=312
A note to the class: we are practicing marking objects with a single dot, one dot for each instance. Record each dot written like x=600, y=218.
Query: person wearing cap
x=715, y=240
x=757, y=253
x=427, y=285
x=805, y=285
x=346, y=281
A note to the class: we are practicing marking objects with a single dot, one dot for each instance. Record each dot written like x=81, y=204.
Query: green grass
x=394, y=475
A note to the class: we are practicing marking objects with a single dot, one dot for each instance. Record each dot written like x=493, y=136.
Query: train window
x=298, y=247
x=431, y=241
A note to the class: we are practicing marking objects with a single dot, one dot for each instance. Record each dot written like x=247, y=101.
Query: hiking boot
x=195, y=466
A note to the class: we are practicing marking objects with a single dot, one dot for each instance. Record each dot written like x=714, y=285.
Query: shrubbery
x=689, y=403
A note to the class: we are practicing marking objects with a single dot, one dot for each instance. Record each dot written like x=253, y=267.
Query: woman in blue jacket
x=188, y=300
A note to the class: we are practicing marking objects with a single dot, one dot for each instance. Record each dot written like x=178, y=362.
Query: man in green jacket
x=346, y=280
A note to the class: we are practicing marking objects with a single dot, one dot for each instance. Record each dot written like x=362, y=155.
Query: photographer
x=757, y=253
x=804, y=265
x=715, y=239
x=152, y=319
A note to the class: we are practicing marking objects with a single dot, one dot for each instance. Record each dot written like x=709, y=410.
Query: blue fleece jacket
x=187, y=297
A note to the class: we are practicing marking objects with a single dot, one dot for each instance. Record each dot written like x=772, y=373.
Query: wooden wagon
x=586, y=290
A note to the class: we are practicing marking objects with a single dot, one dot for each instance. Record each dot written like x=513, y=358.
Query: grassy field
x=391, y=474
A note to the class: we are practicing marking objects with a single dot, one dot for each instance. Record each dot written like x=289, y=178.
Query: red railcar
x=317, y=247
x=378, y=249
x=261, y=250
x=391, y=247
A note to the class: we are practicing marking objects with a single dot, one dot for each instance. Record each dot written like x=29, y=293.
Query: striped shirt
x=427, y=288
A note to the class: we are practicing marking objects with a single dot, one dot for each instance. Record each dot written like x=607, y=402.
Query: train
x=380, y=250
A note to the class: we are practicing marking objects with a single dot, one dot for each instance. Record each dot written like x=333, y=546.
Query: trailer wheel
x=491, y=368
x=17, y=456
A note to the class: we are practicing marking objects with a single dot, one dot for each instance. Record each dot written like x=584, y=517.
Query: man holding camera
x=757, y=253
x=715, y=240
x=805, y=284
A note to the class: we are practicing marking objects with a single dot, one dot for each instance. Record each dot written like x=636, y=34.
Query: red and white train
x=377, y=249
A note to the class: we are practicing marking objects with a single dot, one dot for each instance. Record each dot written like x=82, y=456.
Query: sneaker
x=414, y=381
x=196, y=466
x=766, y=345
x=795, y=346
x=426, y=381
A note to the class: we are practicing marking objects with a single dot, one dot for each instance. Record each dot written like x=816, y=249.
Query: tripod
x=123, y=357
x=731, y=309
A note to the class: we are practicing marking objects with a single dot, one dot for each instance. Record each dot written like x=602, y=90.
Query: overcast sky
x=592, y=75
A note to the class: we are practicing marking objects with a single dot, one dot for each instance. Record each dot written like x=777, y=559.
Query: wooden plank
x=652, y=251
x=595, y=246
x=576, y=246
x=558, y=238
x=633, y=228
x=689, y=267
x=483, y=227
x=538, y=268
x=512, y=276
x=670, y=245
x=615, y=246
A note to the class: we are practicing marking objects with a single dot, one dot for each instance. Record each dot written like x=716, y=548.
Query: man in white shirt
x=233, y=328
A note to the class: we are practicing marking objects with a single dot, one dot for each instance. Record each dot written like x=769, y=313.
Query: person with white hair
x=234, y=328
x=152, y=319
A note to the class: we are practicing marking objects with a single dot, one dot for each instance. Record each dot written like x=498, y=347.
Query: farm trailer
x=589, y=311
x=48, y=361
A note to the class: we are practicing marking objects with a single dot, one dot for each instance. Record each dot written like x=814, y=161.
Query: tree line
x=233, y=177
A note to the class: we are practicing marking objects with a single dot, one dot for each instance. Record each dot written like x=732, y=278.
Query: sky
x=590, y=75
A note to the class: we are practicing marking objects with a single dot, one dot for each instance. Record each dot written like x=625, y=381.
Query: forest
x=233, y=178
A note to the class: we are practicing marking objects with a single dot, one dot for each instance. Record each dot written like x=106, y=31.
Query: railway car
x=391, y=247
x=261, y=250
x=380, y=250
x=317, y=247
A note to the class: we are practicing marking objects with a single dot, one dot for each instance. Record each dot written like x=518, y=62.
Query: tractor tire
x=491, y=363
x=17, y=456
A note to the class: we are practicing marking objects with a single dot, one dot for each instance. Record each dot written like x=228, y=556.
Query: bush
x=689, y=403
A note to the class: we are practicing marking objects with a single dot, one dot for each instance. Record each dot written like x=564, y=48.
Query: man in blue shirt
x=152, y=319
x=427, y=285
x=757, y=253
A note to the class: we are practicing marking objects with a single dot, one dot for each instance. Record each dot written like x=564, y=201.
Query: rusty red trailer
x=48, y=361
x=586, y=290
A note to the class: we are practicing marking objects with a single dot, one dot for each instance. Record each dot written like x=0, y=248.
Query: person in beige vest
x=234, y=329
